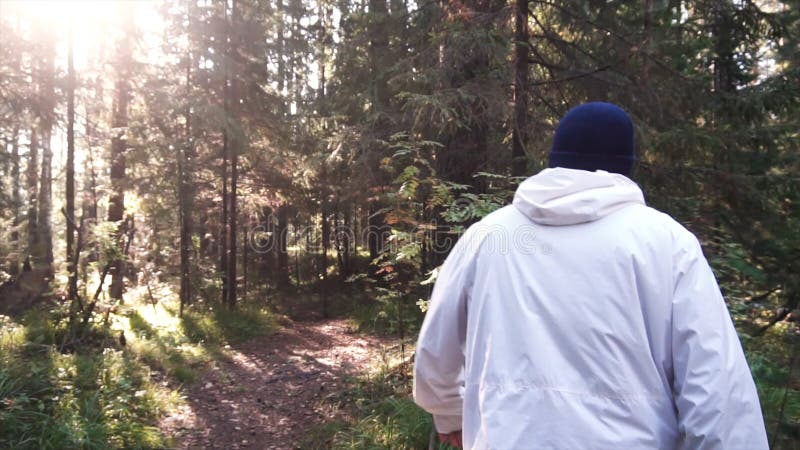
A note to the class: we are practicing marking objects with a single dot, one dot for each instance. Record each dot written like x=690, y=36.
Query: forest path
x=270, y=391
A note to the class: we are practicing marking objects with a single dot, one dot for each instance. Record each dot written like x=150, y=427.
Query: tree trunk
x=184, y=213
x=324, y=200
x=280, y=47
x=378, y=55
x=340, y=237
x=89, y=202
x=232, y=285
x=378, y=52
x=32, y=181
x=519, y=132
x=326, y=240
x=377, y=231
x=265, y=245
x=184, y=180
x=223, y=238
x=16, y=202
x=119, y=121
x=464, y=152
x=14, y=259
x=44, y=255
x=72, y=291
x=246, y=256
x=282, y=231
x=724, y=48
x=348, y=237
x=322, y=39
x=298, y=273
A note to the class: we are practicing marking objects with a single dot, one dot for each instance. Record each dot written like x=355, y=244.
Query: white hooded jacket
x=579, y=318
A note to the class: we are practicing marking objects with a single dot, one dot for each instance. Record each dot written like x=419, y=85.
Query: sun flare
x=84, y=12
x=93, y=22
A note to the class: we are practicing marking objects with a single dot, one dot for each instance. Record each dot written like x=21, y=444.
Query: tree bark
x=280, y=47
x=282, y=231
x=88, y=201
x=223, y=239
x=519, y=132
x=246, y=256
x=16, y=201
x=119, y=121
x=266, y=246
x=377, y=230
x=89, y=213
x=232, y=228
x=44, y=254
x=724, y=48
x=326, y=241
x=72, y=270
x=184, y=181
x=378, y=55
x=351, y=236
x=32, y=188
x=324, y=191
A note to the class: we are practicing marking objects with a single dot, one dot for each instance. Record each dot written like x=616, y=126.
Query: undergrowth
x=775, y=364
x=379, y=414
x=93, y=400
x=109, y=389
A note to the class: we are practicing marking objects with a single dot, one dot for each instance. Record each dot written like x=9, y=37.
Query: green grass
x=393, y=423
x=770, y=358
x=181, y=347
x=100, y=394
x=220, y=326
x=155, y=338
x=92, y=400
x=378, y=415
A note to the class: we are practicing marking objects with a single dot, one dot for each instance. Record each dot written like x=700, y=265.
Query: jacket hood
x=561, y=196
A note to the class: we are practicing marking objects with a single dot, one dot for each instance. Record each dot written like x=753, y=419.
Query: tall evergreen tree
x=44, y=251
x=117, y=157
x=70, y=188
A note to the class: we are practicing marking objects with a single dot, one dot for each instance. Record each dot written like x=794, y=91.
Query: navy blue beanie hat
x=594, y=136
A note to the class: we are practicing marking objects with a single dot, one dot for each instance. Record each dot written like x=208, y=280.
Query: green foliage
x=381, y=416
x=382, y=314
x=771, y=359
x=103, y=395
x=393, y=423
x=160, y=345
x=93, y=400
x=217, y=325
x=106, y=235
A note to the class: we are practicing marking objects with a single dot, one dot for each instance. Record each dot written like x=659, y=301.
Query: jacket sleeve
x=439, y=360
x=715, y=396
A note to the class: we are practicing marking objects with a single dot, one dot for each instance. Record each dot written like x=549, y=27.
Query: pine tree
x=117, y=157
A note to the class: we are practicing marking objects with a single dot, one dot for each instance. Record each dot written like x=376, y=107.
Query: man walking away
x=580, y=318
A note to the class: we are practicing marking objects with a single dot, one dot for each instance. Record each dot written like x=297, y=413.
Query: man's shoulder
x=504, y=216
x=637, y=214
x=638, y=217
x=497, y=225
x=651, y=219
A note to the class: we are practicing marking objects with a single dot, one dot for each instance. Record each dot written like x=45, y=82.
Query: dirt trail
x=270, y=392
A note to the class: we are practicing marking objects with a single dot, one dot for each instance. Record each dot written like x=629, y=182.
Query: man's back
x=588, y=321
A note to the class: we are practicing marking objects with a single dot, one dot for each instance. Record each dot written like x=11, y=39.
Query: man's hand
x=452, y=439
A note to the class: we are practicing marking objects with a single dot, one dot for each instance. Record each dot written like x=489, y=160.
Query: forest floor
x=269, y=392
